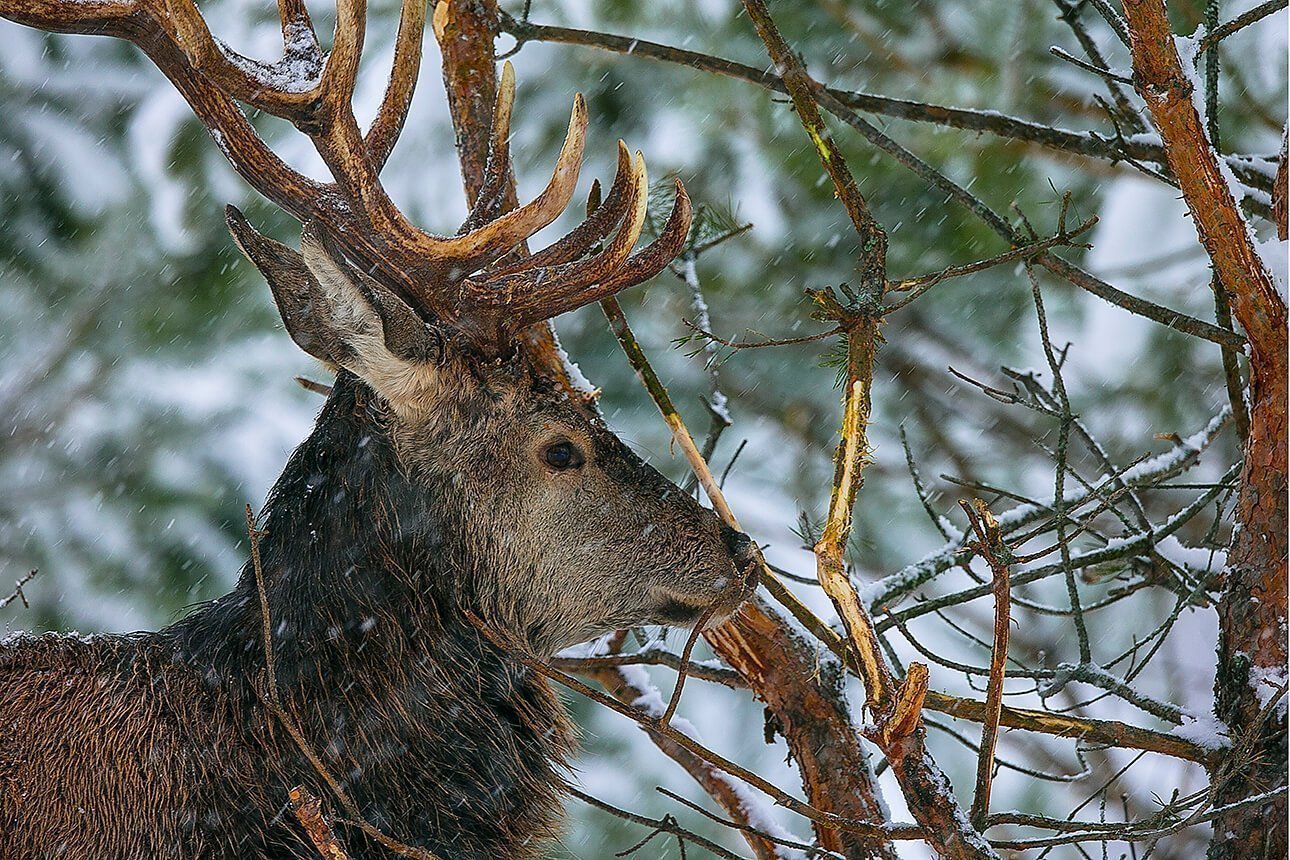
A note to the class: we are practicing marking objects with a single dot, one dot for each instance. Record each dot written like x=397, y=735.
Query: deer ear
x=341, y=316
x=405, y=334
x=301, y=302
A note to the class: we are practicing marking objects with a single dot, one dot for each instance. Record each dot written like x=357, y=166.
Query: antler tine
x=597, y=225
x=479, y=247
x=99, y=17
x=387, y=126
x=531, y=295
x=341, y=72
x=498, y=168
x=243, y=78
x=655, y=256
x=298, y=34
x=638, y=268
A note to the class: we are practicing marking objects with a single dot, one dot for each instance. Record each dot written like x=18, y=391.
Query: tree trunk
x=1252, y=631
x=1252, y=610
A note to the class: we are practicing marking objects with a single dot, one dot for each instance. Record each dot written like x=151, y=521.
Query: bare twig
x=650, y=657
x=683, y=668
x=312, y=385
x=760, y=344
x=1090, y=67
x=17, y=590
x=1239, y=23
x=812, y=851
x=923, y=283
x=666, y=824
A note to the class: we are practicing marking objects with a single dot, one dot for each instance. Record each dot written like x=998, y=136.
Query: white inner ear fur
x=409, y=387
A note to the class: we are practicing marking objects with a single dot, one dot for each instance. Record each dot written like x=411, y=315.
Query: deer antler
x=456, y=280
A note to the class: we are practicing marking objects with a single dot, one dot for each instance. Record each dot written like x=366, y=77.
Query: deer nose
x=741, y=547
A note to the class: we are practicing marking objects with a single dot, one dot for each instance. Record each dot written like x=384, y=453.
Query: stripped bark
x=898, y=729
x=785, y=672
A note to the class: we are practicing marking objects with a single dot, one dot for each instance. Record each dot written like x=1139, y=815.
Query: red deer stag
x=447, y=474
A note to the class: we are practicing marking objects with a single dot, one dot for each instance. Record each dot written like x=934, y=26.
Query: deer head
x=564, y=532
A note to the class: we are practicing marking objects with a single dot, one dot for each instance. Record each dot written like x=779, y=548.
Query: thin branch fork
x=991, y=547
x=1062, y=238
x=17, y=593
x=667, y=824
x=812, y=851
x=1108, y=732
x=594, y=665
x=761, y=344
x=895, y=709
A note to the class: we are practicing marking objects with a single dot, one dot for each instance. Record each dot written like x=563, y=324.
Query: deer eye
x=562, y=456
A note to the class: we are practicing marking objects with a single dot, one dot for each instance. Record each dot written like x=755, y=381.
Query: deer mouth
x=680, y=613
x=688, y=610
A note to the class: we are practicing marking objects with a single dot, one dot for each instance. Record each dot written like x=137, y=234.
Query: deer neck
x=372, y=653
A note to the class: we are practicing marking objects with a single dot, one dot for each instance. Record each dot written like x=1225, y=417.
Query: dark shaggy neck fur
x=441, y=740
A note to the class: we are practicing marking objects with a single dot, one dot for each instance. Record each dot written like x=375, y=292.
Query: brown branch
x=308, y=811
x=316, y=387
x=997, y=555
x=853, y=450
x=684, y=668
x=1107, y=732
x=1223, y=231
x=1252, y=609
x=747, y=829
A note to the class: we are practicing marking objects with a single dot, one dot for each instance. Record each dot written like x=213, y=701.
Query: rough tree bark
x=1252, y=611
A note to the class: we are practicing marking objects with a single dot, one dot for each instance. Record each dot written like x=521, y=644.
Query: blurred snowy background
x=147, y=393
